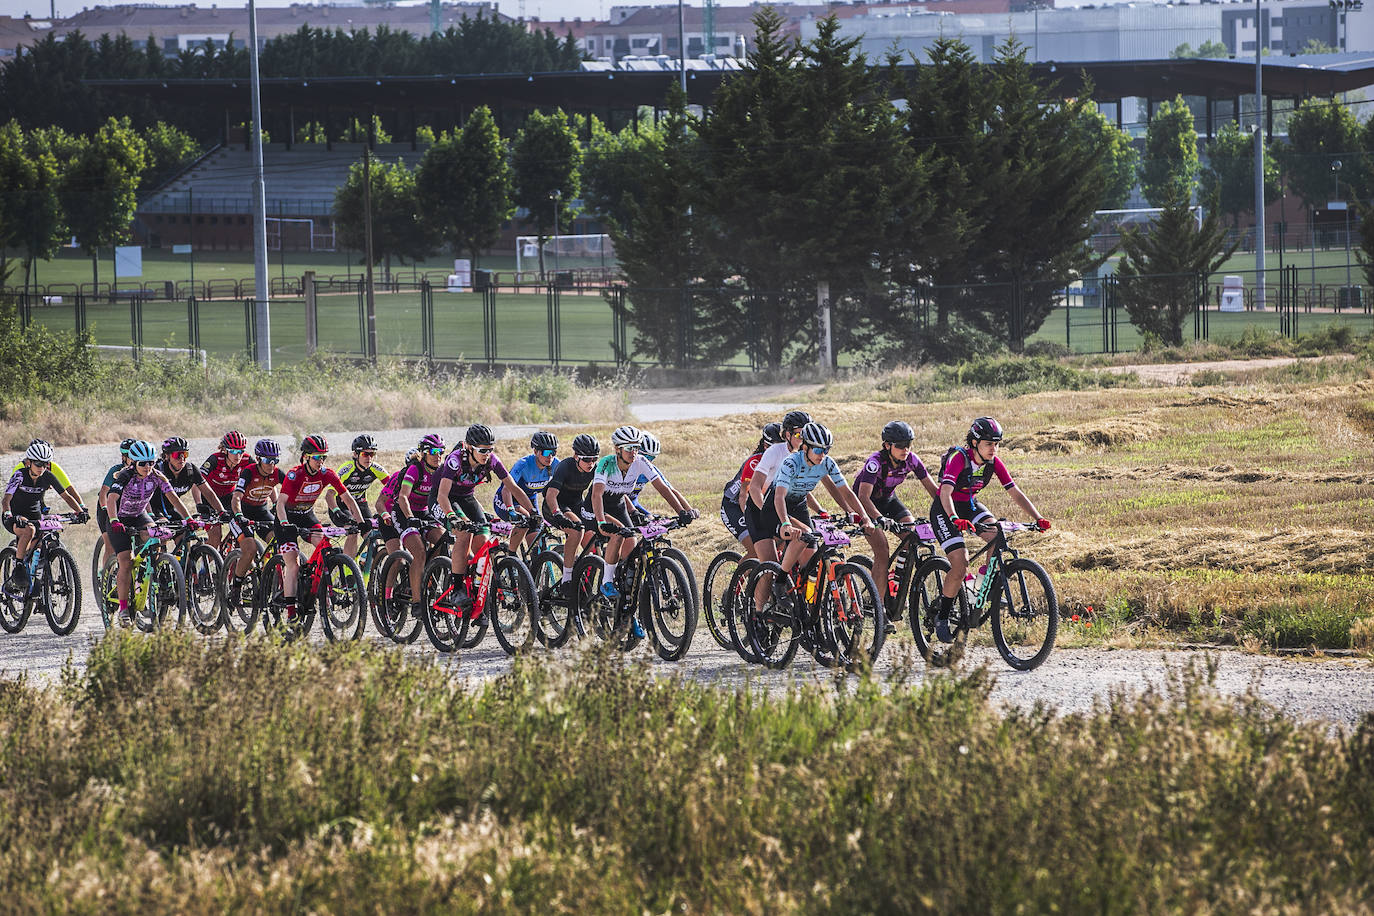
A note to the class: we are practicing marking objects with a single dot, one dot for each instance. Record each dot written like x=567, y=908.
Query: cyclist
x=761, y=530
x=405, y=503
x=295, y=510
x=185, y=478
x=531, y=474
x=649, y=449
x=964, y=471
x=357, y=475
x=254, y=494
x=797, y=476
x=222, y=470
x=23, y=506
x=732, y=501
x=472, y=462
x=127, y=502
x=64, y=482
x=102, y=517
x=607, y=504
x=876, y=486
x=563, y=498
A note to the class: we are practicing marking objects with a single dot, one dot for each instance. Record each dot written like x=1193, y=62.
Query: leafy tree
x=1122, y=162
x=40, y=223
x=1229, y=175
x=545, y=159
x=1317, y=46
x=464, y=185
x=1320, y=132
x=100, y=187
x=396, y=226
x=1162, y=273
x=1365, y=253
x=169, y=148
x=1208, y=48
x=1169, y=170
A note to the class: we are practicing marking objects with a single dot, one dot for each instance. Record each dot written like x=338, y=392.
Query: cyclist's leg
x=763, y=527
x=121, y=544
x=951, y=541
x=892, y=508
x=733, y=518
x=798, y=552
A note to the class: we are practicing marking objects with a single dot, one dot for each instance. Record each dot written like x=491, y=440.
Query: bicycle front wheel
x=667, y=608
x=924, y=605
x=738, y=606
x=98, y=561
x=445, y=626
x=392, y=616
x=714, y=589
x=554, y=626
x=61, y=591
x=205, y=588
x=1026, y=619
x=108, y=592
x=774, y=633
x=341, y=599
x=166, y=595
x=853, y=617
x=512, y=606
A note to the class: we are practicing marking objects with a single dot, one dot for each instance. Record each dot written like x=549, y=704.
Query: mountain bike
x=716, y=603
x=543, y=556
x=239, y=602
x=497, y=591
x=829, y=606
x=157, y=583
x=203, y=567
x=1015, y=593
x=651, y=586
x=328, y=584
x=391, y=610
x=54, y=584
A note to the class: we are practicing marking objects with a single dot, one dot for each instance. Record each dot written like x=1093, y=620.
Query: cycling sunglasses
x=234, y=451
x=817, y=450
x=145, y=464
x=483, y=451
x=316, y=456
x=269, y=460
x=433, y=451
x=43, y=464
x=548, y=452
x=587, y=458
x=369, y=452
x=182, y=455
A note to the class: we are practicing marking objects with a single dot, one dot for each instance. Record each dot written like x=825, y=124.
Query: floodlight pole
x=260, y=275
x=1259, y=161
x=681, y=47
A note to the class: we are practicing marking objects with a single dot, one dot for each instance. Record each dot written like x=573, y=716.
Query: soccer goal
x=564, y=252
x=303, y=234
x=1108, y=226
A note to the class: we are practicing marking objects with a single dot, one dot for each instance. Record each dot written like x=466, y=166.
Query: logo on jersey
x=291, y=475
x=872, y=466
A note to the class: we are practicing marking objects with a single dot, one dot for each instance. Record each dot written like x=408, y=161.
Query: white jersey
x=768, y=465
x=618, y=484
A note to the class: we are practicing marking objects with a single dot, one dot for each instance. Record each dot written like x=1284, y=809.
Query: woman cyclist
x=563, y=499
x=733, y=500
x=531, y=474
x=295, y=510
x=127, y=502
x=23, y=506
x=221, y=470
x=963, y=472
x=184, y=478
x=102, y=516
x=762, y=529
x=405, y=505
x=649, y=449
x=255, y=492
x=357, y=475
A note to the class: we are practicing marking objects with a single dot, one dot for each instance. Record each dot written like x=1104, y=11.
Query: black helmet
x=772, y=433
x=542, y=440
x=796, y=419
x=315, y=445
x=479, y=434
x=364, y=442
x=125, y=445
x=174, y=444
x=586, y=446
x=986, y=429
x=899, y=433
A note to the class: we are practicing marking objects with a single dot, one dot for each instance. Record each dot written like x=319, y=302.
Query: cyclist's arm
x=755, y=490
x=175, y=502
x=671, y=496
x=1022, y=500
x=351, y=504
x=443, y=500
x=813, y=504
x=947, y=499
x=846, y=498
x=281, y=507
x=598, y=503
x=928, y=482
x=73, y=500
x=520, y=497
x=865, y=498
x=206, y=495
x=780, y=503
x=330, y=499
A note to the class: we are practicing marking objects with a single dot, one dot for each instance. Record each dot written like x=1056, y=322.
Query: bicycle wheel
x=666, y=608
x=446, y=627
x=109, y=592
x=241, y=604
x=713, y=591
x=61, y=592
x=924, y=606
x=166, y=596
x=738, y=606
x=341, y=600
x=205, y=588
x=1026, y=620
x=596, y=611
x=512, y=606
x=14, y=607
x=680, y=558
x=554, y=626
x=97, y=564
x=853, y=618
x=773, y=630
x=268, y=603
x=393, y=604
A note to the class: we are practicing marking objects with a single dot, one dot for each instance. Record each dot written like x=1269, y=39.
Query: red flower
x=1074, y=618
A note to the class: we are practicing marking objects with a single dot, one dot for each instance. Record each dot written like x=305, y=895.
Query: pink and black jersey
x=423, y=482
x=967, y=478
x=135, y=492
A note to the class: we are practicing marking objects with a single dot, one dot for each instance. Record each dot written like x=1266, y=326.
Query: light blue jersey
x=799, y=478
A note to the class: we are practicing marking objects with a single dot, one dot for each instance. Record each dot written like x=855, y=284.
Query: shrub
x=43, y=364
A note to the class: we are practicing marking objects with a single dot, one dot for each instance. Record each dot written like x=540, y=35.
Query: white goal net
x=299, y=234
x=564, y=252
x=1109, y=225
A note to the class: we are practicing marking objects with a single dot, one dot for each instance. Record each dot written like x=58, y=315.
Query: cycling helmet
x=796, y=419
x=899, y=433
x=987, y=429
x=626, y=436
x=433, y=440
x=479, y=434
x=139, y=451
x=39, y=451
x=649, y=446
x=542, y=440
x=364, y=442
x=412, y=455
x=772, y=433
x=817, y=435
x=124, y=446
x=175, y=444
x=315, y=445
x=233, y=439
x=266, y=448
x=586, y=446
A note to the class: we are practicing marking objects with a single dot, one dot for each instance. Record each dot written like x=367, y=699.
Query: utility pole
x=367, y=235
x=1259, y=161
x=260, y=277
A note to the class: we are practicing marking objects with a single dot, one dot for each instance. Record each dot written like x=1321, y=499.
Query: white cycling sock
x=567, y=573
x=610, y=571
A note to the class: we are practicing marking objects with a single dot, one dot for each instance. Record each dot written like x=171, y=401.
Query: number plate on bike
x=924, y=531
x=161, y=534
x=834, y=538
x=50, y=524
x=501, y=529
x=653, y=530
x=330, y=531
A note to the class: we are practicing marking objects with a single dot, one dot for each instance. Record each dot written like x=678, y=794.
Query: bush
x=43, y=364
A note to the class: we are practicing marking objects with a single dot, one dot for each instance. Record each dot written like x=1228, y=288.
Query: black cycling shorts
x=764, y=523
x=304, y=520
x=254, y=513
x=950, y=537
x=468, y=507
x=617, y=509
x=33, y=521
x=121, y=541
x=891, y=507
x=732, y=516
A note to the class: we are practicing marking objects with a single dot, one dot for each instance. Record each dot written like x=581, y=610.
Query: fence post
x=80, y=313
x=489, y=323
x=427, y=319
x=312, y=326
x=362, y=315
x=134, y=342
x=250, y=328
x=554, y=316
x=193, y=324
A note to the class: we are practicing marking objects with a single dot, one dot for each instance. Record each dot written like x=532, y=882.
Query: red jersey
x=220, y=475
x=303, y=488
x=256, y=486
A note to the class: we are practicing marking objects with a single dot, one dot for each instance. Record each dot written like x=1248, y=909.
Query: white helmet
x=626, y=436
x=39, y=451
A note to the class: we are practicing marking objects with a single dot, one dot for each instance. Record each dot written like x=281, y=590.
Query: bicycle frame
x=997, y=550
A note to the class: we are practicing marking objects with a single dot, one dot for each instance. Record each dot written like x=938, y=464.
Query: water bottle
x=894, y=577
x=480, y=568
x=33, y=571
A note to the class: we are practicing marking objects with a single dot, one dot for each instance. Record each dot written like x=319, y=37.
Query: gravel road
x=1337, y=691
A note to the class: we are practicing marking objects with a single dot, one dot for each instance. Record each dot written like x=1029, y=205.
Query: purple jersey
x=422, y=482
x=135, y=492
x=465, y=476
x=886, y=477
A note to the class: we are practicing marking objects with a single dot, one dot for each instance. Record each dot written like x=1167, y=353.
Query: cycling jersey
x=109, y=475
x=26, y=494
x=742, y=476
x=357, y=480
x=182, y=483
x=257, y=486
x=423, y=483
x=643, y=482
x=770, y=461
x=799, y=477
x=967, y=478
x=303, y=488
x=529, y=476
x=467, y=476
x=571, y=482
x=63, y=483
x=135, y=491
x=886, y=477
x=220, y=475
x=622, y=483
